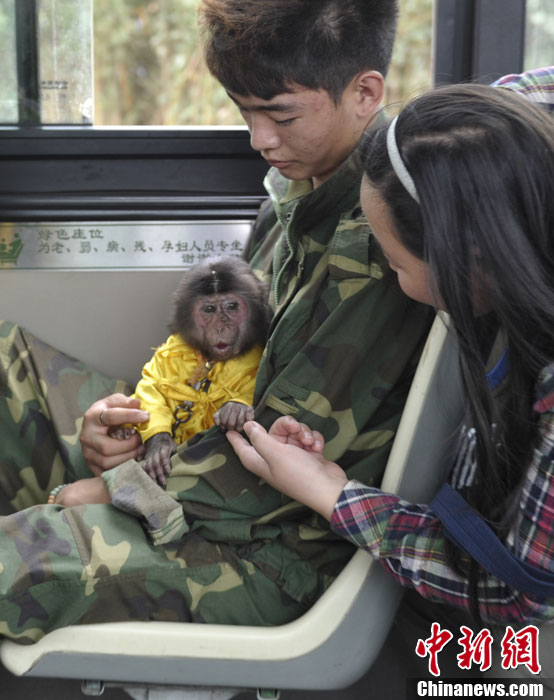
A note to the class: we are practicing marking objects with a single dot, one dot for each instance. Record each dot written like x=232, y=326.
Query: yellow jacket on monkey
x=177, y=374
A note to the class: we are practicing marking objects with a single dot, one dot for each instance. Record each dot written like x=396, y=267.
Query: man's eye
x=285, y=122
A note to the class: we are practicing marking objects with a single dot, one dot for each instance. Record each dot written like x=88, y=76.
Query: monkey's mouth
x=223, y=350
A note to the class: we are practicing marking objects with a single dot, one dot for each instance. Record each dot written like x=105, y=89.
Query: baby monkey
x=206, y=370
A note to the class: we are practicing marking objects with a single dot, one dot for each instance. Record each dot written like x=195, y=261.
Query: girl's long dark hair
x=482, y=160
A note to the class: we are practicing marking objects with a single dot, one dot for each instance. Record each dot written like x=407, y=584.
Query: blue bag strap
x=471, y=533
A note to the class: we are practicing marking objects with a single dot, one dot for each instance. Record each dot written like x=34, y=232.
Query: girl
x=459, y=191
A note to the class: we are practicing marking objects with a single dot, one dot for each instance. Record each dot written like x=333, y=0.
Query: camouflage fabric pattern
x=87, y=564
x=343, y=347
x=43, y=395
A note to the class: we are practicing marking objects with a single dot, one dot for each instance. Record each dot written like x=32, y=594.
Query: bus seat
x=330, y=646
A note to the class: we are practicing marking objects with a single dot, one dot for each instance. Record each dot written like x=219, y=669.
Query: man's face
x=302, y=133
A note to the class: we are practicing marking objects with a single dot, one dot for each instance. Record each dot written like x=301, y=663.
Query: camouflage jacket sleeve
x=342, y=350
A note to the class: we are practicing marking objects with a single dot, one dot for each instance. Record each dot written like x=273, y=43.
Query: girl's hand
x=289, y=459
x=289, y=431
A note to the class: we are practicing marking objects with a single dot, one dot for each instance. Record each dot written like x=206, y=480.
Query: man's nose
x=263, y=133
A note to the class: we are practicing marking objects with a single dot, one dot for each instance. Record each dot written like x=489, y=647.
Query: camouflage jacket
x=340, y=357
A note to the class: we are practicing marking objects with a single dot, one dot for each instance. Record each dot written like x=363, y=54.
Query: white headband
x=397, y=163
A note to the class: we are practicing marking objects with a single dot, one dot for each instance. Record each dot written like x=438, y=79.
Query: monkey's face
x=221, y=325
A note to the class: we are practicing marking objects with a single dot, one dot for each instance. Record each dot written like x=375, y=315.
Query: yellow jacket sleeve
x=238, y=377
x=153, y=400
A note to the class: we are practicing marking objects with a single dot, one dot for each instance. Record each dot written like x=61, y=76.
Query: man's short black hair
x=261, y=47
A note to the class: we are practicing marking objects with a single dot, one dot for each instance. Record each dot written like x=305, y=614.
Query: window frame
x=88, y=173
x=463, y=49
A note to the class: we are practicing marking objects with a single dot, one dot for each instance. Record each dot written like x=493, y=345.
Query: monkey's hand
x=233, y=415
x=121, y=432
x=157, y=460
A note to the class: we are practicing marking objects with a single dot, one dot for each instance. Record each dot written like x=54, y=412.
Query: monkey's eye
x=208, y=309
x=232, y=306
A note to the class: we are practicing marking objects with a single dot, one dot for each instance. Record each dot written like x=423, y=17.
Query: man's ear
x=368, y=88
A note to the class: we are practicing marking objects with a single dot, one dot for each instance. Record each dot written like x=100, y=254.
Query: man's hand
x=83, y=491
x=233, y=415
x=100, y=450
x=157, y=460
x=290, y=459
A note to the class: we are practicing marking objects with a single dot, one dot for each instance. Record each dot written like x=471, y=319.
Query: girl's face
x=413, y=273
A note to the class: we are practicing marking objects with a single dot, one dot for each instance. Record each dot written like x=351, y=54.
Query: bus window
x=149, y=69
x=147, y=63
x=46, y=58
x=539, y=34
x=8, y=84
x=65, y=61
x=411, y=69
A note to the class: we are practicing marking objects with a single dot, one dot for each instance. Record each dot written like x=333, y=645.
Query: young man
x=220, y=546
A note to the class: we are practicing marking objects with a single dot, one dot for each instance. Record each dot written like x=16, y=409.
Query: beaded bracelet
x=55, y=492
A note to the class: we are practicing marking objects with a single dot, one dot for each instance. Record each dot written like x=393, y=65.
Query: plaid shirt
x=409, y=540
x=535, y=85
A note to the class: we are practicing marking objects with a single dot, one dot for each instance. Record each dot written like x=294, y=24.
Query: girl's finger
x=247, y=453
